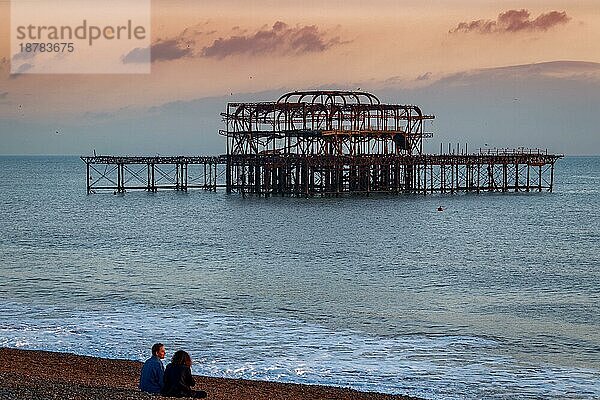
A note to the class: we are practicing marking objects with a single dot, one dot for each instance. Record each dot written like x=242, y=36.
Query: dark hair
x=156, y=347
x=181, y=357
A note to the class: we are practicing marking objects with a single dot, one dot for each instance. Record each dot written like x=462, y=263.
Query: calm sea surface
x=497, y=297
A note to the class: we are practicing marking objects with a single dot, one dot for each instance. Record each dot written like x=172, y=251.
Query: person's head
x=158, y=350
x=181, y=357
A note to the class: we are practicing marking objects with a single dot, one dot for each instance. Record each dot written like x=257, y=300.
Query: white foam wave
x=293, y=351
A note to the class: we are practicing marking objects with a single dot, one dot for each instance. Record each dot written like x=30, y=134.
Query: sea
x=496, y=297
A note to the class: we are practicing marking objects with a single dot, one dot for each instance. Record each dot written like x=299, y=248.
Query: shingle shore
x=41, y=375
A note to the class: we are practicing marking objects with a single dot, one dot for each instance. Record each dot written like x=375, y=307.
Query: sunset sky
x=496, y=73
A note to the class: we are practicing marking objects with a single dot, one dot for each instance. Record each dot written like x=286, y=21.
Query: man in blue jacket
x=153, y=371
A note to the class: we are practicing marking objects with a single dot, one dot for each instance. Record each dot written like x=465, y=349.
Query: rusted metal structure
x=335, y=123
x=122, y=173
x=327, y=143
x=335, y=142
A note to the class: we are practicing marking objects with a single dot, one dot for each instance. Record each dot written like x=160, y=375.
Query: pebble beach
x=33, y=374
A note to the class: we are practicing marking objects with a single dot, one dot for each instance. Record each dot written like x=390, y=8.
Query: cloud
x=581, y=71
x=161, y=50
x=279, y=39
x=172, y=49
x=24, y=55
x=21, y=70
x=574, y=72
x=136, y=56
x=512, y=21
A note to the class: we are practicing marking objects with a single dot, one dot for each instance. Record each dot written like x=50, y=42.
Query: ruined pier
x=328, y=143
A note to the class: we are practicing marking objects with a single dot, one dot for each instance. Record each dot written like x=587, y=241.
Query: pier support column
x=184, y=177
x=517, y=177
x=151, y=185
x=443, y=178
x=88, y=180
x=452, y=179
x=551, y=177
x=228, y=168
x=120, y=178
x=424, y=178
x=409, y=172
x=478, y=178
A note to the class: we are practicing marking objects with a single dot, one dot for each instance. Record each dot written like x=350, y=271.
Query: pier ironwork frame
x=335, y=142
x=122, y=173
x=327, y=143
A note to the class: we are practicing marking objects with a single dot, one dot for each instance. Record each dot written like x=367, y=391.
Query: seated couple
x=174, y=381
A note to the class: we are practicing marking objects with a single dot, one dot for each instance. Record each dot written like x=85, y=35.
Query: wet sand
x=27, y=374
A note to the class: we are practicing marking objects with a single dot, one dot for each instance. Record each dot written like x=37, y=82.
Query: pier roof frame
x=330, y=97
x=314, y=121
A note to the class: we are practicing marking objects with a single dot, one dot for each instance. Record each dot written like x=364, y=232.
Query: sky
x=494, y=73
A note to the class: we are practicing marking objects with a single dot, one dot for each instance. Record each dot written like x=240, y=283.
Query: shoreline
x=38, y=374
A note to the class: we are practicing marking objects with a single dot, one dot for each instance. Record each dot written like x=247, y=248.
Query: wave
x=287, y=350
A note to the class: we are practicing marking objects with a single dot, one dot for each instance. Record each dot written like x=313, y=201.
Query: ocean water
x=497, y=297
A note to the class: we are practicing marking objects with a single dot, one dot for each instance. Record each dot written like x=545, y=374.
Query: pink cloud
x=279, y=39
x=514, y=21
x=161, y=50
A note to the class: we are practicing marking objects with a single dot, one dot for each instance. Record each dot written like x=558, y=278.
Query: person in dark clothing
x=178, y=378
x=151, y=377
